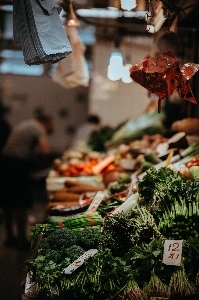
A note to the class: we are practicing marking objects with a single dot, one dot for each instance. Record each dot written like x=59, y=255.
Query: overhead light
x=128, y=4
x=71, y=16
x=117, y=70
x=115, y=67
x=126, y=78
x=109, y=13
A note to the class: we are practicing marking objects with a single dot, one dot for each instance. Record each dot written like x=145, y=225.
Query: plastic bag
x=73, y=71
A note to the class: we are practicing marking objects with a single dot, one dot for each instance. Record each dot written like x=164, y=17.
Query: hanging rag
x=37, y=27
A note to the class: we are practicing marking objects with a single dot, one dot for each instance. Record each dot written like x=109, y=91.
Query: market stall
x=137, y=239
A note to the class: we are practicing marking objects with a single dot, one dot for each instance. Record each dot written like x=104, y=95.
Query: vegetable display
x=129, y=241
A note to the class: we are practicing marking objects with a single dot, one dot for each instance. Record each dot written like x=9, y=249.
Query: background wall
x=27, y=95
x=116, y=101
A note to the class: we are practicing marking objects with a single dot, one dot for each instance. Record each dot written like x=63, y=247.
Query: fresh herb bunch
x=122, y=231
x=84, y=219
x=160, y=184
x=46, y=276
x=156, y=288
x=190, y=254
x=181, y=221
x=146, y=227
x=133, y=291
x=44, y=247
x=101, y=277
x=119, y=233
x=160, y=187
x=145, y=258
x=35, y=231
x=180, y=286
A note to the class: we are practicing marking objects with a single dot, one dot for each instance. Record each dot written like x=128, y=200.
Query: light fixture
x=109, y=13
x=115, y=67
x=150, y=28
x=117, y=70
x=155, y=22
x=128, y=4
x=126, y=78
x=71, y=16
x=158, y=20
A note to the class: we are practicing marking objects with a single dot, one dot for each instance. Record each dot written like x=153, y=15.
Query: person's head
x=94, y=119
x=47, y=122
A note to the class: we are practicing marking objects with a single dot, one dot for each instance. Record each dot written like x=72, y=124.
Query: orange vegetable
x=97, y=169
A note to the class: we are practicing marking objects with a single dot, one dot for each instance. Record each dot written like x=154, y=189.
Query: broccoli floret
x=62, y=238
x=44, y=247
x=89, y=238
x=70, y=254
x=54, y=255
x=74, y=252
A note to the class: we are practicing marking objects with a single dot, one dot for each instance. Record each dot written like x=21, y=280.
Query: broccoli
x=74, y=252
x=89, y=238
x=54, y=255
x=62, y=238
x=44, y=247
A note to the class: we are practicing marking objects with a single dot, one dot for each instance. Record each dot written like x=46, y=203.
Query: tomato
x=189, y=165
x=195, y=159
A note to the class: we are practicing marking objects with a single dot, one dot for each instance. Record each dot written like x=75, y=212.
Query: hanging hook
x=149, y=8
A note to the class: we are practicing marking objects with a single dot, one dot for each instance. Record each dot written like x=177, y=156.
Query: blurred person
x=84, y=131
x=26, y=140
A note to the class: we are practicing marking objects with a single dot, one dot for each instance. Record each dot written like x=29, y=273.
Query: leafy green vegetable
x=193, y=173
x=133, y=291
x=160, y=188
x=98, y=139
x=156, y=288
x=135, y=128
x=124, y=178
x=122, y=231
x=119, y=233
x=150, y=156
x=35, y=231
x=116, y=187
x=159, y=184
x=179, y=285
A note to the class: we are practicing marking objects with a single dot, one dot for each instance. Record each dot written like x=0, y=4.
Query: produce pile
x=130, y=243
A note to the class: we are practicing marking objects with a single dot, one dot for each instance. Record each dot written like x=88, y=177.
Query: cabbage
x=194, y=173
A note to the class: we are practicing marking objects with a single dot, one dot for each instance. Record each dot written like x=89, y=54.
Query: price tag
x=30, y=286
x=172, y=252
x=78, y=262
x=96, y=202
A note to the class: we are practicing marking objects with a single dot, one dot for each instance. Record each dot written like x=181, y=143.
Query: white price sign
x=78, y=262
x=172, y=252
x=96, y=202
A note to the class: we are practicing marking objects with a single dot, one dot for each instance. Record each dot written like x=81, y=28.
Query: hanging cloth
x=37, y=27
x=73, y=71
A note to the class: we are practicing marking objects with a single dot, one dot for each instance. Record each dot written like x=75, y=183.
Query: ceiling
x=187, y=10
